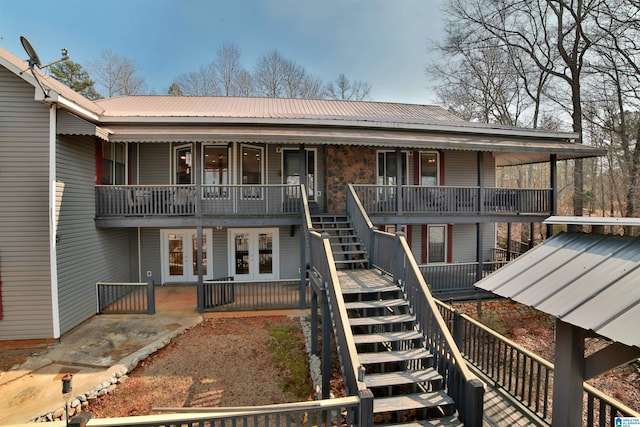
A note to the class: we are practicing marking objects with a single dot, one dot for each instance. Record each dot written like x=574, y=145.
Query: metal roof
x=588, y=280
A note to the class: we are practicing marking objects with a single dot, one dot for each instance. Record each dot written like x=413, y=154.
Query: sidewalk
x=96, y=353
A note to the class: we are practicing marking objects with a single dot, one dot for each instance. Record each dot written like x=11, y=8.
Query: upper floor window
x=114, y=160
x=429, y=169
x=183, y=163
x=388, y=173
x=216, y=165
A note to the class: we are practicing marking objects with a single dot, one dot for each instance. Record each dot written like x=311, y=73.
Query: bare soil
x=220, y=362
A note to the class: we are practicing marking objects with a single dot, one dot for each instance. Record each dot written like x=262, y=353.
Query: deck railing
x=230, y=295
x=458, y=277
x=460, y=200
x=524, y=375
x=168, y=200
x=125, y=298
x=337, y=412
x=391, y=254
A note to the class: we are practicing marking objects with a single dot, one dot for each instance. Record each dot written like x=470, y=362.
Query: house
x=185, y=189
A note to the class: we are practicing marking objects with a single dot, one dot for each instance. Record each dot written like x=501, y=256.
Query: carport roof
x=588, y=280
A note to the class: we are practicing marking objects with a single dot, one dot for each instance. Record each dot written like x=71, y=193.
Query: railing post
x=326, y=346
x=151, y=297
x=457, y=328
x=366, y=408
x=474, y=402
x=314, y=323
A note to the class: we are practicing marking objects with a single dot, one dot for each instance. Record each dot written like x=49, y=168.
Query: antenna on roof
x=34, y=61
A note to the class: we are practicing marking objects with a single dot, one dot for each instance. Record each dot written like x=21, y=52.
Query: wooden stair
x=407, y=390
x=348, y=251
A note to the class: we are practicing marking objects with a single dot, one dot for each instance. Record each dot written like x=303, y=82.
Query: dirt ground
x=226, y=362
x=220, y=362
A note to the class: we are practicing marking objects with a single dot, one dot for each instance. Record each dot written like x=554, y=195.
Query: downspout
x=53, y=223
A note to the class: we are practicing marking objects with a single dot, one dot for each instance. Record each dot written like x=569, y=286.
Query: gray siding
x=24, y=219
x=85, y=254
x=289, y=253
x=460, y=168
x=151, y=253
x=155, y=164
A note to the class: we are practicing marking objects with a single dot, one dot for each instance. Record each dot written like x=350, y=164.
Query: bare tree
x=117, y=75
x=555, y=35
x=345, y=89
x=278, y=77
x=199, y=83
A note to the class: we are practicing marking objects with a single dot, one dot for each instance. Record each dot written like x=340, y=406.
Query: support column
x=200, y=237
x=553, y=180
x=303, y=237
x=399, y=183
x=568, y=375
x=508, y=241
x=314, y=324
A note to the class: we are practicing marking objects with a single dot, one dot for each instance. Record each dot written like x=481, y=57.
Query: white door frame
x=253, y=253
x=187, y=254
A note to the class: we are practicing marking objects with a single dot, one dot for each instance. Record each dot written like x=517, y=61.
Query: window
x=252, y=171
x=387, y=168
x=291, y=167
x=436, y=243
x=215, y=171
x=114, y=160
x=428, y=169
x=183, y=162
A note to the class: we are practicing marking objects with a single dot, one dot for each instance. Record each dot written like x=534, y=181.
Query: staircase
x=407, y=390
x=348, y=252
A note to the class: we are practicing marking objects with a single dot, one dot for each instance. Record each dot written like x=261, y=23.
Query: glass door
x=253, y=253
x=291, y=168
x=180, y=255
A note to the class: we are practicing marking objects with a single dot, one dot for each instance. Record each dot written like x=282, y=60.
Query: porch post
x=399, y=183
x=568, y=375
x=553, y=180
x=508, y=241
x=480, y=164
x=303, y=237
x=479, y=225
x=200, y=238
x=314, y=323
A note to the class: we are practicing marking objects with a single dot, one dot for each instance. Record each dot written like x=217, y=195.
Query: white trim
x=262, y=162
x=174, y=157
x=437, y=153
x=53, y=225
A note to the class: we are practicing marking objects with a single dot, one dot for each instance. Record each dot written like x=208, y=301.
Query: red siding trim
x=425, y=229
x=449, y=243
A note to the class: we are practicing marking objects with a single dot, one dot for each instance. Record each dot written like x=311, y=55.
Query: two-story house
x=184, y=189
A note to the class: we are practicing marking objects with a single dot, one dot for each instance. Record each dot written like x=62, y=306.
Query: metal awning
x=507, y=150
x=588, y=280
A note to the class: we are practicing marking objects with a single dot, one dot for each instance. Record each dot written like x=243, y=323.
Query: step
x=351, y=261
x=394, y=356
x=402, y=377
x=398, y=302
x=450, y=421
x=382, y=320
x=411, y=401
x=369, y=289
x=386, y=337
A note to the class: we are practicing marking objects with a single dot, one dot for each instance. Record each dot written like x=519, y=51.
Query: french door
x=253, y=253
x=180, y=255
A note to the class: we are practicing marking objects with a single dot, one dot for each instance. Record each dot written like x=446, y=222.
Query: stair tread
x=381, y=320
x=402, y=377
x=350, y=261
x=450, y=421
x=397, y=302
x=411, y=401
x=394, y=356
x=369, y=289
x=386, y=337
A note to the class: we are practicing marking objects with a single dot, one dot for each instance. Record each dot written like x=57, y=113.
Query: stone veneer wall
x=347, y=165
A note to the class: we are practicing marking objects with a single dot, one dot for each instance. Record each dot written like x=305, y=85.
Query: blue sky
x=383, y=42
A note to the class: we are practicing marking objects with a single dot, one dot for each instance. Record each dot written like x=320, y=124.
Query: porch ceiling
x=507, y=150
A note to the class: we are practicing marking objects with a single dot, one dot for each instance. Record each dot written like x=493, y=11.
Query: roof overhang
x=507, y=149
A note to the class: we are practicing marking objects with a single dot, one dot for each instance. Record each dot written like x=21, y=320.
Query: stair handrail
x=306, y=212
x=391, y=254
x=321, y=257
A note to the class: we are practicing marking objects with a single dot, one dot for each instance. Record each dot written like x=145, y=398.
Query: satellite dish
x=34, y=61
x=33, y=56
